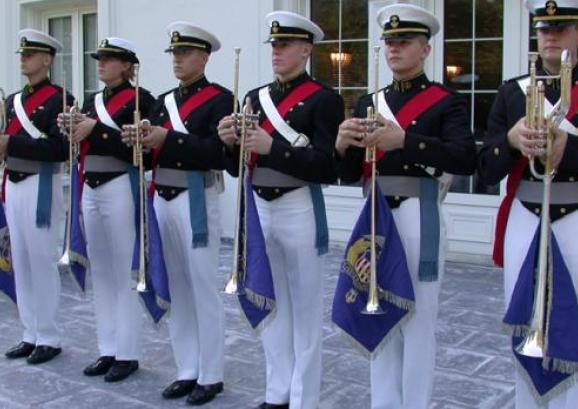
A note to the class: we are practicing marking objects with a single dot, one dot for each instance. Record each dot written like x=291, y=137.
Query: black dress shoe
x=22, y=350
x=120, y=370
x=99, y=367
x=266, y=405
x=178, y=389
x=204, y=393
x=43, y=353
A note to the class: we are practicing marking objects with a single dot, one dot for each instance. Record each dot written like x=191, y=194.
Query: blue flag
x=157, y=298
x=258, y=298
x=7, y=285
x=395, y=288
x=549, y=374
x=78, y=255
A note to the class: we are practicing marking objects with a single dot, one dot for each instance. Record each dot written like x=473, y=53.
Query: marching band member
x=108, y=209
x=35, y=150
x=294, y=141
x=510, y=141
x=187, y=153
x=424, y=133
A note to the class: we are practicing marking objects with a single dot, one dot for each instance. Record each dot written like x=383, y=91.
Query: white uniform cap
x=406, y=20
x=33, y=41
x=116, y=47
x=286, y=26
x=186, y=35
x=553, y=13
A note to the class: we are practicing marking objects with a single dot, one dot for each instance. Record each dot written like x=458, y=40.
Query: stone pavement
x=474, y=369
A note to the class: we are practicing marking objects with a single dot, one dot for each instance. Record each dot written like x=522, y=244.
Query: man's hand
x=351, y=133
x=258, y=141
x=153, y=137
x=528, y=141
x=227, y=130
x=387, y=137
x=82, y=129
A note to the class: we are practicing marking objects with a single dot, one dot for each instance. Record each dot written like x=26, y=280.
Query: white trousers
x=292, y=340
x=522, y=225
x=34, y=256
x=402, y=373
x=108, y=212
x=196, y=322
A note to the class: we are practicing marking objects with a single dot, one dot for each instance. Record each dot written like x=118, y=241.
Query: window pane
x=89, y=27
x=350, y=97
x=489, y=18
x=458, y=65
x=324, y=67
x=488, y=64
x=326, y=14
x=354, y=64
x=61, y=29
x=482, y=106
x=458, y=19
x=353, y=19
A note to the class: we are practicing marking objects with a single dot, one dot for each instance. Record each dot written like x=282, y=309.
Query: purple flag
x=7, y=284
x=78, y=255
x=395, y=288
x=156, y=298
x=561, y=330
x=258, y=298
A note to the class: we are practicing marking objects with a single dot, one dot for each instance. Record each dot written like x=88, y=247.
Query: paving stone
x=474, y=367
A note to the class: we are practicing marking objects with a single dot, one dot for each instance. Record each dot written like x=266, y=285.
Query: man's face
x=553, y=40
x=189, y=63
x=405, y=54
x=33, y=62
x=110, y=69
x=289, y=56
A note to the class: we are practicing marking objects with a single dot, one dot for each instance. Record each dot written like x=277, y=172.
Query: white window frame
x=76, y=14
x=515, y=32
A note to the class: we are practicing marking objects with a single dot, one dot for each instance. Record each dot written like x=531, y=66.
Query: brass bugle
x=234, y=284
x=138, y=161
x=372, y=306
x=69, y=118
x=533, y=343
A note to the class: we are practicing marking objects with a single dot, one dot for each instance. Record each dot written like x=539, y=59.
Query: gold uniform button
x=21, y=174
x=537, y=210
x=287, y=154
x=180, y=141
x=421, y=145
x=413, y=122
x=288, y=122
x=497, y=151
x=571, y=179
x=98, y=182
x=259, y=191
x=179, y=164
x=277, y=190
x=422, y=86
x=405, y=167
x=173, y=191
x=104, y=136
x=290, y=109
x=396, y=198
x=563, y=210
x=162, y=114
x=161, y=191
